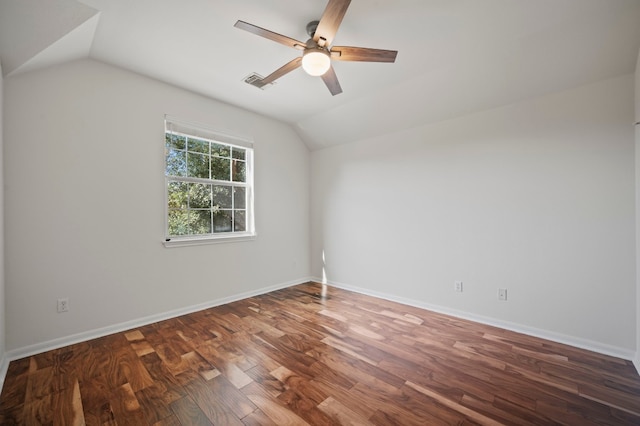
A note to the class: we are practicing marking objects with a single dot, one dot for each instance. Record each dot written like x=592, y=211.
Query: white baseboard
x=4, y=366
x=636, y=361
x=128, y=325
x=578, y=342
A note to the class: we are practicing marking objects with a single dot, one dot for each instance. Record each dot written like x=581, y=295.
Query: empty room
x=322, y=212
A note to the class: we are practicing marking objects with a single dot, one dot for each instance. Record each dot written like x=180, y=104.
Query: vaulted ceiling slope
x=455, y=56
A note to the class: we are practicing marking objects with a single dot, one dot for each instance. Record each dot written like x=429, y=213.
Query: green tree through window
x=209, y=187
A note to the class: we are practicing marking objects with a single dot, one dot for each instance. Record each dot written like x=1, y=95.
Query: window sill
x=199, y=241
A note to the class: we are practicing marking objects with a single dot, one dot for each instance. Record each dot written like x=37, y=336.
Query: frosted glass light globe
x=316, y=61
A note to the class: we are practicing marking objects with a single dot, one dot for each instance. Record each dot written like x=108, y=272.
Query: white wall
x=637, y=146
x=85, y=204
x=536, y=197
x=2, y=285
x=637, y=86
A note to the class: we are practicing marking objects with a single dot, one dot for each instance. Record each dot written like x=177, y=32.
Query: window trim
x=208, y=239
x=200, y=131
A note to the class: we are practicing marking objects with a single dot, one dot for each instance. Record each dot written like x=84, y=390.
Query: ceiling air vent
x=255, y=80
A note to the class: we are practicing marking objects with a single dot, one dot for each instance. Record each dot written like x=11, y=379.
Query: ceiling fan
x=318, y=51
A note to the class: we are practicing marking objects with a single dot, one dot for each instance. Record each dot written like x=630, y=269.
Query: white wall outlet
x=63, y=305
x=457, y=286
x=502, y=294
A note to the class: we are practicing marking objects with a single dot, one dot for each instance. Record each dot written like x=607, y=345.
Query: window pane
x=239, y=171
x=220, y=168
x=197, y=145
x=208, y=185
x=238, y=153
x=200, y=221
x=218, y=150
x=175, y=141
x=222, y=196
x=199, y=196
x=198, y=165
x=240, y=198
x=176, y=163
x=178, y=222
x=240, y=221
x=177, y=195
x=222, y=221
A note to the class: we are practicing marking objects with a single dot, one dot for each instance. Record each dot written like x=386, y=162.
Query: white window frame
x=202, y=132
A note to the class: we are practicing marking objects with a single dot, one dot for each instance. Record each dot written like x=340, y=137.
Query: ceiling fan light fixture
x=316, y=61
x=319, y=50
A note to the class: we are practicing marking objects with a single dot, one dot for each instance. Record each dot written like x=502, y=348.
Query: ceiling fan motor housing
x=311, y=28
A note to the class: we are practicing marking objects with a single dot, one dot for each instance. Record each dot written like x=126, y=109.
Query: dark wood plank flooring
x=308, y=355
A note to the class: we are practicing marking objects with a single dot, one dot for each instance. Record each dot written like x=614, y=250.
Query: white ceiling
x=455, y=56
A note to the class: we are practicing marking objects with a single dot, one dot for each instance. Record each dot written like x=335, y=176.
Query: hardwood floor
x=295, y=357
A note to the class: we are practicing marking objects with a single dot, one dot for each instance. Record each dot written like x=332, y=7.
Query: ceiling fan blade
x=279, y=38
x=330, y=21
x=286, y=68
x=363, y=54
x=331, y=80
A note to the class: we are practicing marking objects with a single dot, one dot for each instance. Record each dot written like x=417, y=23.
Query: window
x=209, y=185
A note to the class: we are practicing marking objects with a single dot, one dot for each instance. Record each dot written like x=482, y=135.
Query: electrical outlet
x=63, y=305
x=502, y=294
x=457, y=286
